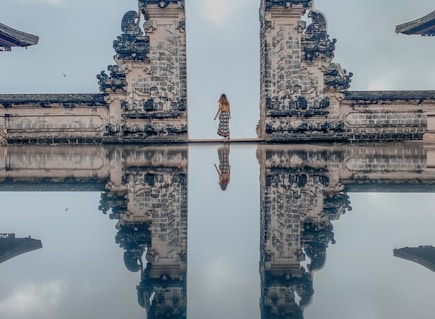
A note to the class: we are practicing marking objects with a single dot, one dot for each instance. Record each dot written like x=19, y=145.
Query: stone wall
x=147, y=88
x=300, y=85
x=303, y=190
x=53, y=118
x=387, y=115
x=304, y=94
x=149, y=200
x=143, y=96
x=145, y=189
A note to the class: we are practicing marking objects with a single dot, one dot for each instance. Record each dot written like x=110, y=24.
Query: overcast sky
x=223, y=56
x=80, y=273
x=223, y=50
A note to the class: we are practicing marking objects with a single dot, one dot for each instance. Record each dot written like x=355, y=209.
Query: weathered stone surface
x=147, y=89
x=303, y=191
x=46, y=100
x=149, y=199
x=424, y=26
x=375, y=97
x=10, y=37
x=304, y=94
x=143, y=99
x=114, y=82
x=286, y=3
x=387, y=115
x=132, y=44
x=53, y=118
x=299, y=83
x=162, y=3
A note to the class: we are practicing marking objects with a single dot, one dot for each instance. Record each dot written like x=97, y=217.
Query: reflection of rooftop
x=10, y=37
x=423, y=26
x=423, y=255
x=11, y=247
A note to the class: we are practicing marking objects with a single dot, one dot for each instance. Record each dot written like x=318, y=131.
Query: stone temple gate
x=304, y=94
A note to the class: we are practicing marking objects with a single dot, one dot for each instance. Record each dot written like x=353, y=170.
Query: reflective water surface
x=217, y=231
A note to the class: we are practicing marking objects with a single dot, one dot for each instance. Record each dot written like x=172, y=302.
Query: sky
x=223, y=50
x=223, y=57
x=80, y=273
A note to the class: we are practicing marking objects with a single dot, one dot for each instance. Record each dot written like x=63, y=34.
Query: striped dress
x=224, y=123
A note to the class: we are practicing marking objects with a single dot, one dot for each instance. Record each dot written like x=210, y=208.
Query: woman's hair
x=224, y=180
x=224, y=104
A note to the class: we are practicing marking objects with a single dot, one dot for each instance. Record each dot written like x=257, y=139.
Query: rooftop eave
x=10, y=37
x=424, y=26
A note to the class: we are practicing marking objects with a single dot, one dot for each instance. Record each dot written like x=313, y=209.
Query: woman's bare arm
x=216, y=114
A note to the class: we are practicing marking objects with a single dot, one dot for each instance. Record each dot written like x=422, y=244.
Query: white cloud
x=50, y=2
x=389, y=81
x=37, y=300
x=222, y=10
x=218, y=273
x=378, y=85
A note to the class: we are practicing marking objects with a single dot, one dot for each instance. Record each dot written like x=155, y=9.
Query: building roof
x=423, y=255
x=44, y=100
x=424, y=26
x=10, y=37
x=11, y=247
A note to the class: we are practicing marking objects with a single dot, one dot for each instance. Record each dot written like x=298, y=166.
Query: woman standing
x=224, y=117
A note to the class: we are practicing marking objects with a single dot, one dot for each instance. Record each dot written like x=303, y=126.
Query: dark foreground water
x=148, y=232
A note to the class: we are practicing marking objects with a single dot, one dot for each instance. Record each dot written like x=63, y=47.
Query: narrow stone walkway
x=232, y=140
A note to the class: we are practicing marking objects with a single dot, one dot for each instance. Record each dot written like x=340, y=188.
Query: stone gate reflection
x=149, y=200
x=300, y=196
x=303, y=190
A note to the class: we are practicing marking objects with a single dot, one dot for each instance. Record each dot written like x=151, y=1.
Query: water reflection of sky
x=80, y=272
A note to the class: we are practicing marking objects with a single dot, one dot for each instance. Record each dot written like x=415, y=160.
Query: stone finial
x=287, y=3
x=115, y=81
x=316, y=41
x=161, y=3
x=132, y=44
x=337, y=78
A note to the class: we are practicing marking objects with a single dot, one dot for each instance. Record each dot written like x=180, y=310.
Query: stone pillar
x=147, y=88
x=300, y=196
x=151, y=208
x=300, y=86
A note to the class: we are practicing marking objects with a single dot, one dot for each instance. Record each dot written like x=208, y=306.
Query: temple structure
x=10, y=37
x=142, y=98
x=300, y=85
x=149, y=200
x=303, y=190
x=423, y=255
x=146, y=91
x=11, y=246
x=304, y=94
x=298, y=204
x=424, y=26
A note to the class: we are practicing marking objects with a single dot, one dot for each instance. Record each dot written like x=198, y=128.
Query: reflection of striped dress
x=224, y=124
x=224, y=160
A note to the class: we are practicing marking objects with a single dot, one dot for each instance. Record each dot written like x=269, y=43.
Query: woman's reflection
x=224, y=166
